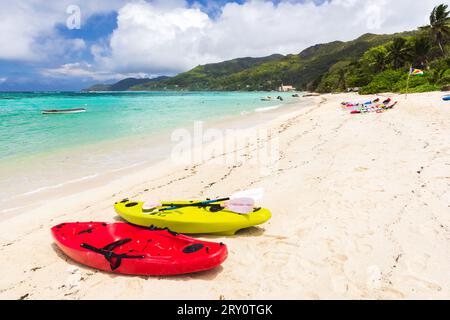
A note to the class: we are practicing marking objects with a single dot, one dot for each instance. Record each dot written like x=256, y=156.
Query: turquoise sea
x=25, y=131
x=42, y=154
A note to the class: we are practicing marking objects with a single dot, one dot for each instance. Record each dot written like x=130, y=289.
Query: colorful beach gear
x=127, y=249
x=360, y=103
x=377, y=108
x=368, y=106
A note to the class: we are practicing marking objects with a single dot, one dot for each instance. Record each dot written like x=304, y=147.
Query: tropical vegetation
x=386, y=67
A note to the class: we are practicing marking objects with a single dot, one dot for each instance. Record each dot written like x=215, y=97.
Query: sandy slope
x=361, y=209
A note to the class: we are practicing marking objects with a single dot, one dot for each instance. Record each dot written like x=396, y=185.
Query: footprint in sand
x=136, y=285
x=275, y=237
x=277, y=258
x=301, y=233
x=363, y=248
x=423, y=283
x=389, y=293
x=330, y=245
x=339, y=284
x=340, y=257
x=417, y=264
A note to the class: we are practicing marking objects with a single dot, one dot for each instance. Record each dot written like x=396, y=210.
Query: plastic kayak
x=211, y=219
x=127, y=249
x=447, y=98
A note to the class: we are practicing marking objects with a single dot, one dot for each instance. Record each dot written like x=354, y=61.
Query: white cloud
x=156, y=38
x=87, y=71
x=2, y=80
x=168, y=36
x=27, y=27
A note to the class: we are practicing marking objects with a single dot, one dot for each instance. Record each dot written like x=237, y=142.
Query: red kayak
x=127, y=249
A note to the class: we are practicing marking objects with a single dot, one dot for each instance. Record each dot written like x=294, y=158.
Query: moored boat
x=64, y=111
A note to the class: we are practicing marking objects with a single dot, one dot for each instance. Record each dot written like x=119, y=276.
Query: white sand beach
x=360, y=209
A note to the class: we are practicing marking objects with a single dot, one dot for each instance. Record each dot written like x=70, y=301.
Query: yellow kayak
x=192, y=220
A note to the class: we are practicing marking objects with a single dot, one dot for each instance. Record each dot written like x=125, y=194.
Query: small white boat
x=313, y=94
x=64, y=111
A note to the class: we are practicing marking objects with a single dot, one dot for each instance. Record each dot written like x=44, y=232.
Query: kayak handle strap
x=114, y=259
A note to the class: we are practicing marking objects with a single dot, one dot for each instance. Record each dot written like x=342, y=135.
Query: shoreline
x=146, y=149
x=359, y=211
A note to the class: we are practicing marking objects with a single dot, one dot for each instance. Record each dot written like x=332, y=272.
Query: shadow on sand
x=243, y=233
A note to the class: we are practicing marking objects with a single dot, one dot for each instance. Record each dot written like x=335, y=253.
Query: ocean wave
x=77, y=180
x=59, y=185
x=265, y=109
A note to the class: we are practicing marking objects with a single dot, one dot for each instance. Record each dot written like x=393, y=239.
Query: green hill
x=303, y=70
x=205, y=77
x=123, y=85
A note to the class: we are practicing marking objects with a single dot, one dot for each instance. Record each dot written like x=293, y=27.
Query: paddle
x=198, y=204
x=242, y=202
x=240, y=205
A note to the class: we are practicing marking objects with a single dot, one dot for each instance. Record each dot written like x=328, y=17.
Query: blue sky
x=121, y=38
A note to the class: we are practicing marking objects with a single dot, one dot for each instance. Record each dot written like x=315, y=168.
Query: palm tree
x=379, y=61
x=440, y=25
x=420, y=50
x=376, y=59
x=398, y=53
x=439, y=71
